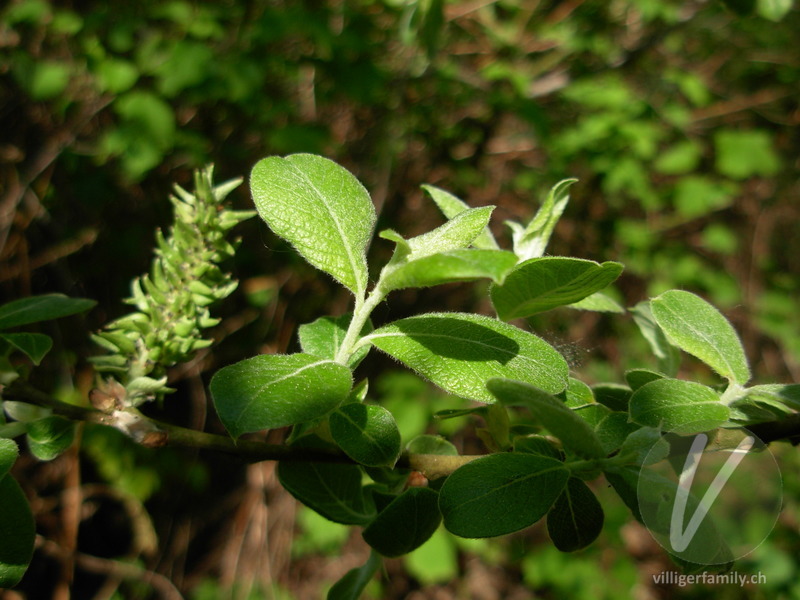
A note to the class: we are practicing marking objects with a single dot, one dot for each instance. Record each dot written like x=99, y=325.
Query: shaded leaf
x=500, y=493
x=34, y=345
x=17, y=533
x=353, y=583
x=50, y=437
x=574, y=432
x=406, y=523
x=41, y=308
x=576, y=518
x=324, y=336
x=540, y=284
x=431, y=444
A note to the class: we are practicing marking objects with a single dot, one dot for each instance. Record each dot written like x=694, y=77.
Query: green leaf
x=576, y=518
x=431, y=444
x=34, y=345
x=598, y=302
x=451, y=206
x=406, y=523
x=636, y=378
x=457, y=233
x=460, y=352
x=774, y=10
x=448, y=267
x=612, y=431
x=679, y=406
x=50, y=437
x=745, y=153
x=500, y=493
x=324, y=337
x=531, y=241
x=367, y=433
x=537, y=444
x=787, y=394
x=41, y=308
x=668, y=355
x=646, y=445
x=8, y=456
x=322, y=209
x=353, y=583
x=17, y=533
x=540, y=284
x=574, y=432
x=331, y=489
x=696, y=327
x=275, y=390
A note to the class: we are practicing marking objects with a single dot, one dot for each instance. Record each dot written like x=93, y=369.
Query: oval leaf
x=367, y=433
x=574, y=432
x=41, y=308
x=17, y=533
x=406, y=523
x=431, y=444
x=461, y=352
x=500, y=493
x=576, y=518
x=324, y=336
x=458, y=232
x=698, y=328
x=448, y=267
x=540, y=284
x=331, y=489
x=678, y=406
x=275, y=390
x=321, y=209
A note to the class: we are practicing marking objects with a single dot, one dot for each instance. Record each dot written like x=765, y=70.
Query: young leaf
x=698, y=328
x=50, y=437
x=367, y=433
x=459, y=232
x=17, y=533
x=324, y=336
x=406, y=523
x=573, y=431
x=460, y=352
x=540, y=284
x=598, y=302
x=275, y=390
x=531, y=241
x=448, y=267
x=576, y=518
x=353, y=583
x=636, y=378
x=322, y=209
x=452, y=206
x=500, y=493
x=34, y=345
x=668, y=356
x=41, y=308
x=679, y=406
x=333, y=490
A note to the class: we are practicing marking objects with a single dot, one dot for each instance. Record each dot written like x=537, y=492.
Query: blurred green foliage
x=680, y=120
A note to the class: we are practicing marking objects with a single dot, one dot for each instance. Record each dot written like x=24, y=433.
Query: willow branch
x=153, y=433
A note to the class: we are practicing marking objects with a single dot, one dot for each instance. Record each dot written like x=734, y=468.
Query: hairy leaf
x=698, y=328
x=448, y=267
x=678, y=406
x=451, y=206
x=322, y=209
x=50, y=437
x=324, y=336
x=275, y=390
x=460, y=352
x=540, y=284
